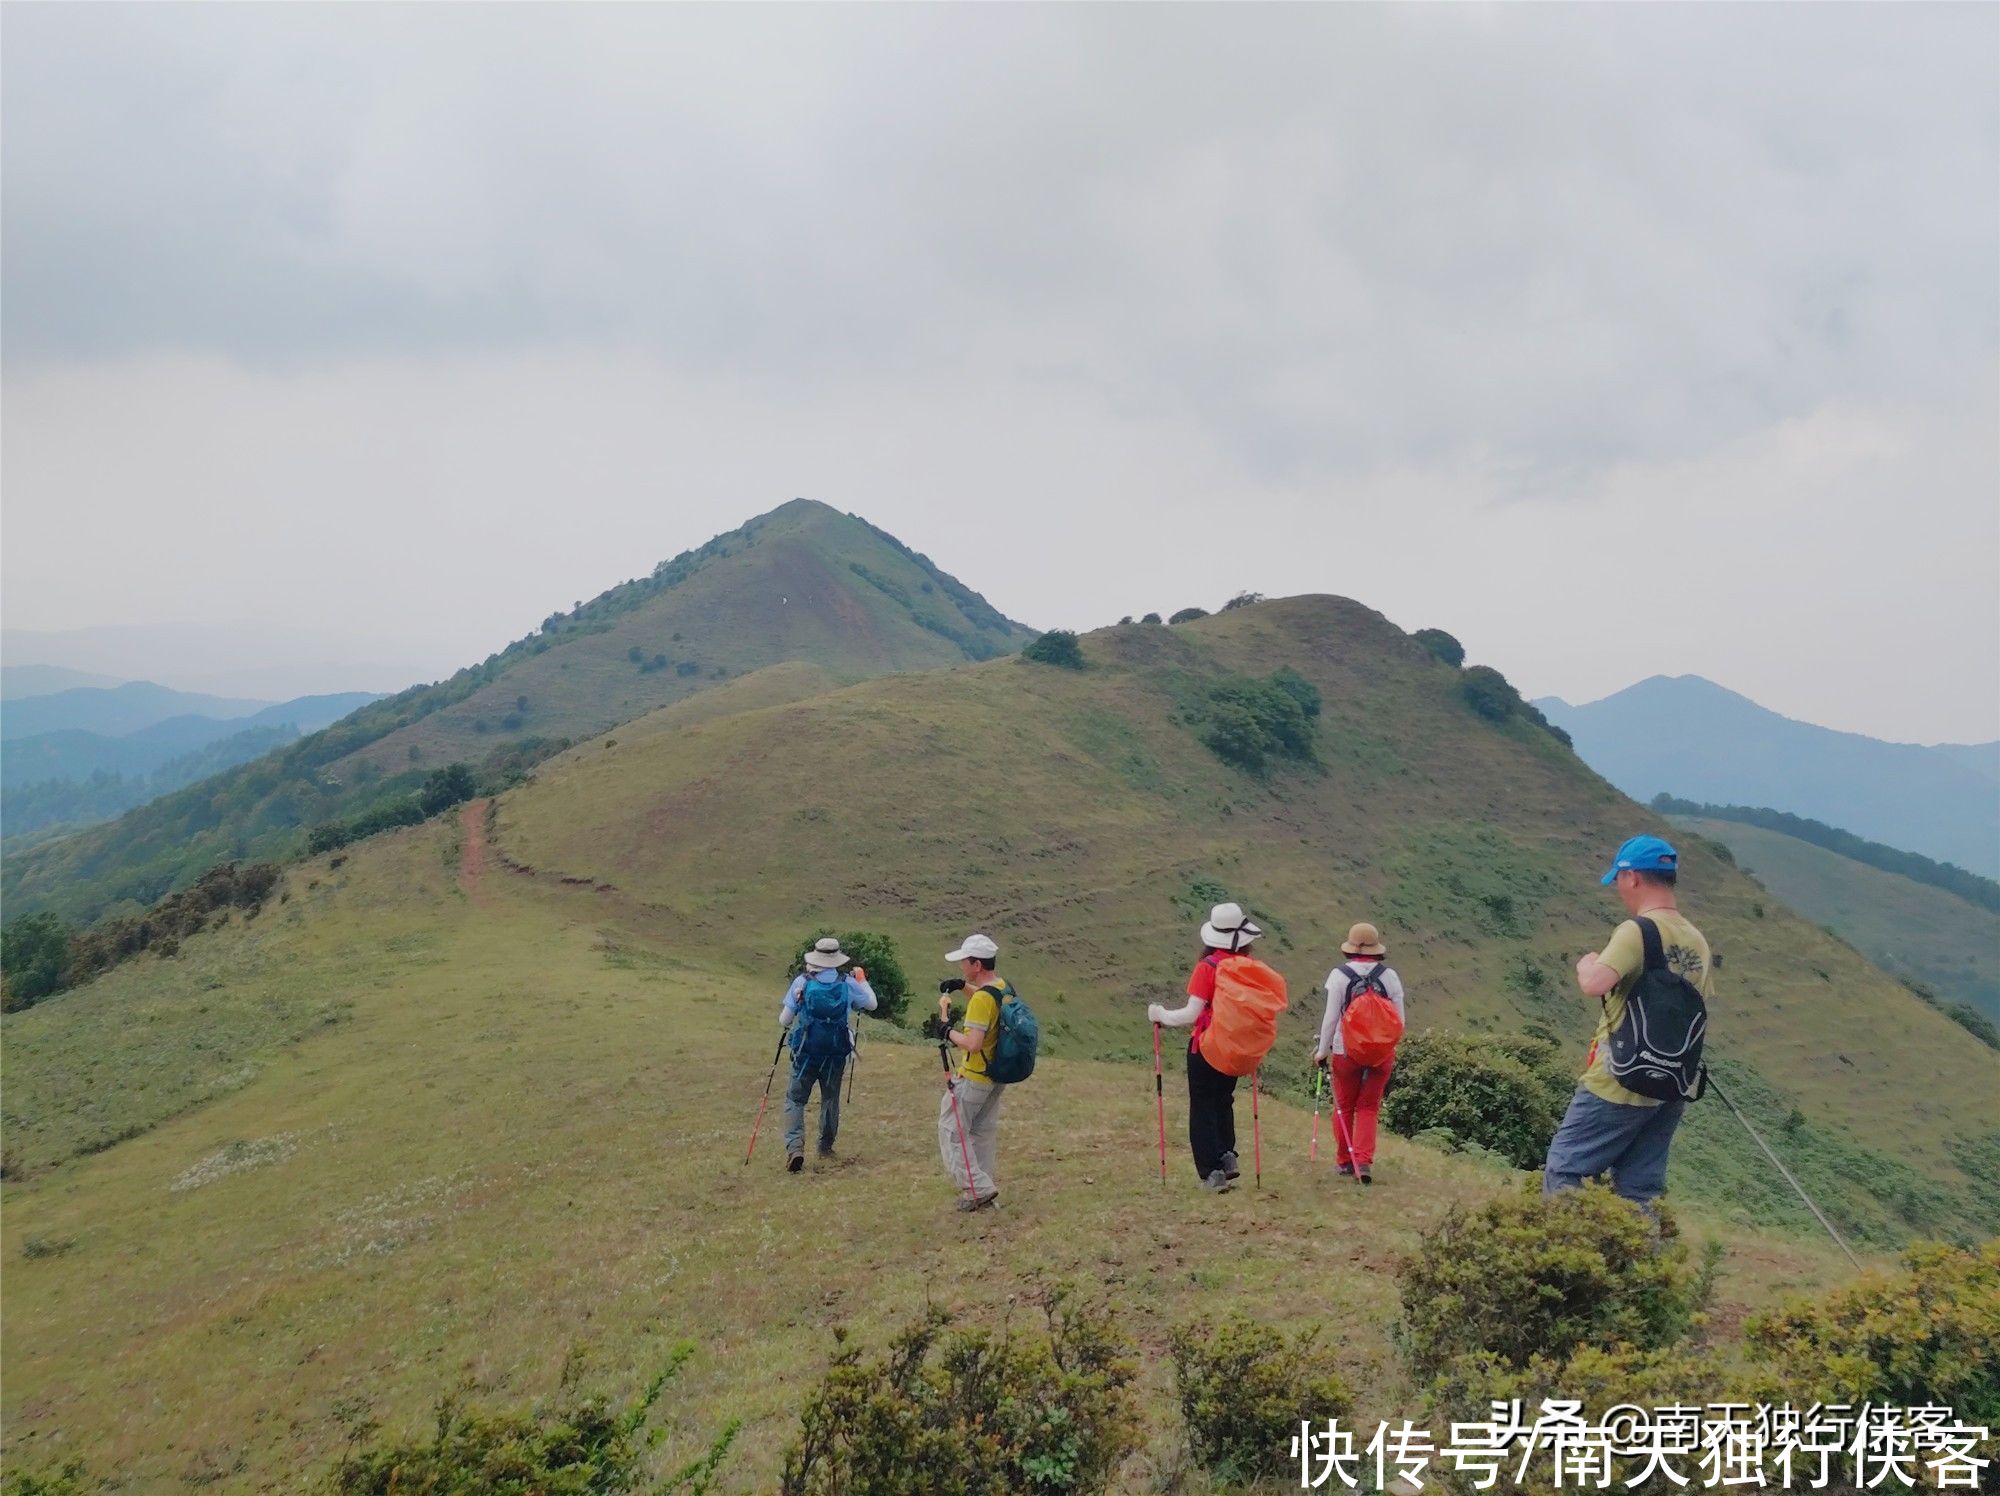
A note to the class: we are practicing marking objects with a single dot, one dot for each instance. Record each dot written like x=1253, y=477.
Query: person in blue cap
x=1607, y=1127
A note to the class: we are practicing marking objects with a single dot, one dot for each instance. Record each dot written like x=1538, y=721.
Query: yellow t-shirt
x=1625, y=953
x=983, y=1007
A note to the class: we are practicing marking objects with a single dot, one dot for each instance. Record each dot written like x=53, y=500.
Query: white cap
x=975, y=948
x=1229, y=928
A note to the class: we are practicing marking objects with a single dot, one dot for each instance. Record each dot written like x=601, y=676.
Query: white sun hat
x=826, y=954
x=975, y=948
x=1229, y=928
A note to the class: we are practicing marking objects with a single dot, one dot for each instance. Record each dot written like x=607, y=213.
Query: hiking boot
x=796, y=1162
x=1229, y=1168
x=1217, y=1182
x=1345, y=1169
x=966, y=1205
x=1366, y=1177
x=826, y=1150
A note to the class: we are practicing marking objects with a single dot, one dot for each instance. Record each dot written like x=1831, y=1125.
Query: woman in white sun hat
x=1227, y=932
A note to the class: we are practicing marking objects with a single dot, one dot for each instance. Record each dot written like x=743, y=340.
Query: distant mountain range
x=1686, y=736
x=114, y=710
x=17, y=681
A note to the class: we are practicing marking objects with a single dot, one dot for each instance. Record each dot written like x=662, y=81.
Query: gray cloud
x=1333, y=261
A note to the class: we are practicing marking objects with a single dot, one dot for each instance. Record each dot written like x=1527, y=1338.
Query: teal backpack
x=1016, y=1037
x=820, y=1032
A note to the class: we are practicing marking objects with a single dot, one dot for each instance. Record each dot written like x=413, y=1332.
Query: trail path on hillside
x=472, y=854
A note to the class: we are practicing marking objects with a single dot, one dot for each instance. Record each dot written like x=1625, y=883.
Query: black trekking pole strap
x=1778, y=1164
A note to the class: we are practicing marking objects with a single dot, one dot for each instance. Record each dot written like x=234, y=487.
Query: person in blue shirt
x=815, y=1012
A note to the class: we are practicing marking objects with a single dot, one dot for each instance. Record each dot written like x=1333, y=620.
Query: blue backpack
x=1016, y=1037
x=820, y=1032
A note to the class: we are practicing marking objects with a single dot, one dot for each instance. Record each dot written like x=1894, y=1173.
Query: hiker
x=969, y=1114
x=1357, y=1042
x=1213, y=1067
x=1609, y=1125
x=816, y=1011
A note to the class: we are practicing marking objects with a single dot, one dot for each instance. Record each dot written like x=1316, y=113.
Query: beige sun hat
x=826, y=954
x=1363, y=940
x=1229, y=928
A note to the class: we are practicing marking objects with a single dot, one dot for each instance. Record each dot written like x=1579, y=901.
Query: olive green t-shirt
x=1625, y=953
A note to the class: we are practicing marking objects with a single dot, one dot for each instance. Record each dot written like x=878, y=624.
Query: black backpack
x=1656, y=1049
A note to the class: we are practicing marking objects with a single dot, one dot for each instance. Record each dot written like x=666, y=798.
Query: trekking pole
x=1256, y=1131
x=1318, y=1076
x=853, y=1060
x=767, y=1097
x=951, y=1090
x=1776, y=1163
x=1346, y=1141
x=1160, y=1103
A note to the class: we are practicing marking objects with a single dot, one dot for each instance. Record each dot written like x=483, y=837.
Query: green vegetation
x=1256, y=724
x=1244, y=1389
x=875, y=954
x=1441, y=647
x=1941, y=946
x=1974, y=889
x=1242, y=600
x=583, y=1447
x=442, y=789
x=1492, y=696
x=103, y=794
x=966, y=1410
x=34, y=955
x=1056, y=647
x=1188, y=615
x=1504, y=1095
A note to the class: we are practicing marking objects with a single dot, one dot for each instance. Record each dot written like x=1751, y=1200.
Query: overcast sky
x=1616, y=340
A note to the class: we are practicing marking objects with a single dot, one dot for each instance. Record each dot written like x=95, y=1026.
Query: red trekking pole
x=1256, y=1131
x=951, y=1090
x=767, y=1098
x=1160, y=1103
x=1346, y=1139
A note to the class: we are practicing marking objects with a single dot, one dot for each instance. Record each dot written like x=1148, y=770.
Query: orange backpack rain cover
x=1370, y=1029
x=1249, y=996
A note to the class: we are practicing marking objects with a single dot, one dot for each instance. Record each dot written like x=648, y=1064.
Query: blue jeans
x=1598, y=1135
x=826, y=1075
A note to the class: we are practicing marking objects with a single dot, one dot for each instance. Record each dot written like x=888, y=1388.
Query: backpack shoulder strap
x=1649, y=936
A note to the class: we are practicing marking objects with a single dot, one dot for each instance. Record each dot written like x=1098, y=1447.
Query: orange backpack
x=1370, y=1026
x=1243, y=1021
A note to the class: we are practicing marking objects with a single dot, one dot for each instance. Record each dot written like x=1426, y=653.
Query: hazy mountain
x=115, y=710
x=1686, y=736
x=20, y=681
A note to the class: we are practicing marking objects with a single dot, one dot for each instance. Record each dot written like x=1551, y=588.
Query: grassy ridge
x=525, y=1135
x=803, y=583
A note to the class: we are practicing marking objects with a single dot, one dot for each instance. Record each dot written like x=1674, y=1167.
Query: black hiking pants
x=1211, y=1114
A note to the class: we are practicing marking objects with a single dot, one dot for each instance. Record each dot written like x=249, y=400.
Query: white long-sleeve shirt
x=1330, y=1040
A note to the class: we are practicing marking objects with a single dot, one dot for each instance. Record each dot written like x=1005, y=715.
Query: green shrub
x=1522, y=1277
x=1056, y=647
x=1254, y=723
x=1506, y=1095
x=446, y=787
x=1296, y=686
x=68, y=1478
x=1488, y=693
x=34, y=950
x=876, y=954
x=1188, y=615
x=1242, y=600
x=1150, y=618
x=964, y=1410
x=582, y=1445
x=1927, y=1334
x=1441, y=646
x=1245, y=1388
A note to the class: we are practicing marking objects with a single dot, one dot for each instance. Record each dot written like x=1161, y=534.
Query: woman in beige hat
x=1357, y=1089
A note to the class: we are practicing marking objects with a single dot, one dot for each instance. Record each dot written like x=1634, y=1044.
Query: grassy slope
x=782, y=588
x=1905, y=927
x=1072, y=816
x=525, y=1133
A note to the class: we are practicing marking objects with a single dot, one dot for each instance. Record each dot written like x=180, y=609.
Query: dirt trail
x=472, y=856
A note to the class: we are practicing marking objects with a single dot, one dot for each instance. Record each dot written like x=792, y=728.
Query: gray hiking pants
x=826, y=1075
x=979, y=1113
x=1630, y=1141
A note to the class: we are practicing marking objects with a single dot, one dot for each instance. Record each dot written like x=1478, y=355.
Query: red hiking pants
x=1357, y=1101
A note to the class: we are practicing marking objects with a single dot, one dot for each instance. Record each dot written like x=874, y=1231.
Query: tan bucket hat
x=826, y=955
x=1363, y=940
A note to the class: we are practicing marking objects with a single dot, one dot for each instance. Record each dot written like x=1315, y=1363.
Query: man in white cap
x=970, y=1134
x=816, y=1011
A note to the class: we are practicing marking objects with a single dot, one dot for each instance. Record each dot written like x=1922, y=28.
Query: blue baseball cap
x=1643, y=854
